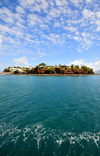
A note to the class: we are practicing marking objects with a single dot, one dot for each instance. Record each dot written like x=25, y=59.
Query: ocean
x=49, y=115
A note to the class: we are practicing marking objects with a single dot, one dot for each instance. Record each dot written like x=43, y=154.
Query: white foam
x=40, y=133
x=59, y=141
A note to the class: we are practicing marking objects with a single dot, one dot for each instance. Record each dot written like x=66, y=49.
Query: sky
x=50, y=31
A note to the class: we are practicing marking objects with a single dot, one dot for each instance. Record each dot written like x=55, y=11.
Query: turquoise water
x=49, y=115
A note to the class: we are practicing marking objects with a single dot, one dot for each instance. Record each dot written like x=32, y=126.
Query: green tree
x=90, y=70
x=85, y=68
x=18, y=67
x=77, y=66
x=51, y=70
x=59, y=65
x=16, y=72
x=28, y=71
x=6, y=70
x=37, y=67
x=72, y=66
x=42, y=64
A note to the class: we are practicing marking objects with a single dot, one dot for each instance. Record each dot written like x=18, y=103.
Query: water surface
x=49, y=115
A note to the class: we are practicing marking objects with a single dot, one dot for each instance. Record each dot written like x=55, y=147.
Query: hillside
x=44, y=69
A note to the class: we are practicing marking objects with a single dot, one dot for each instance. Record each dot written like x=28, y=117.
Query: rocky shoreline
x=48, y=74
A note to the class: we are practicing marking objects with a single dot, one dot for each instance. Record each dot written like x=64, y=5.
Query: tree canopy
x=42, y=64
x=43, y=69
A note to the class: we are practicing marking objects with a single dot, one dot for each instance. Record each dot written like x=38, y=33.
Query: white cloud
x=4, y=65
x=44, y=4
x=20, y=9
x=72, y=29
x=26, y=3
x=76, y=2
x=78, y=62
x=76, y=38
x=88, y=1
x=57, y=24
x=8, y=39
x=34, y=5
x=77, y=33
x=19, y=17
x=61, y=2
x=65, y=10
x=21, y=61
x=74, y=21
x=97, y=58
x=87, y=41
x=6, y=15
x=34, y=19
x=98, y=25
x=51, y=3
x=37, y=7
x=30, y=2
x=95, y=65
x=69, y=36
x=84, y=34
x=0, y=41
x=44, y=26
x=88, y=14
x=54, y=12
x=55, y=38
x=20, y=25
x=43, y=54
x=84, y=40
x=33, y=58
x=6, y=11
x=98, y=14
x=45, y=21
x=9, y=17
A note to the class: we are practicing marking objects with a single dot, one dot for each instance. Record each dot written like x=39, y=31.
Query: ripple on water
x=50, y=115
x=37, y=137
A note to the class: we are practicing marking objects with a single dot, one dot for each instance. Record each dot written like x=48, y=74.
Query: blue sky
x=54, y=32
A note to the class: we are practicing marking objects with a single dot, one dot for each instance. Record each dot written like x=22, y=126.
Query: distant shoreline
x=49, y=74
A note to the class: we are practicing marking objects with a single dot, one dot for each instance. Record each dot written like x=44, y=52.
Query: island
x=44, y=69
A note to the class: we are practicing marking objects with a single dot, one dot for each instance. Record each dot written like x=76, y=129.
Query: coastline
x=50, y=74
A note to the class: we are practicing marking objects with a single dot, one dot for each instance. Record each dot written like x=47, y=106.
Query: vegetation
x=42, y=64
x=16, y=72
x=28, y=71
x=42, y=68
x=85, y=68
x=90, y=70
x=51, y=70
x=77, y=66
x=72, y=66
x=6, y=70
x=37, y=67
